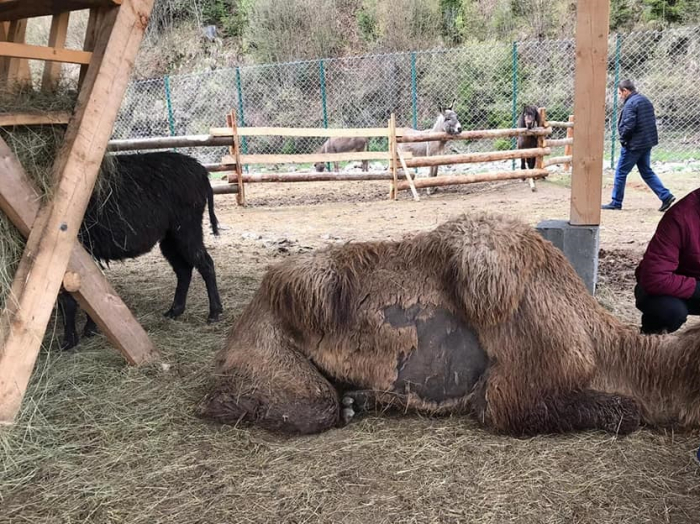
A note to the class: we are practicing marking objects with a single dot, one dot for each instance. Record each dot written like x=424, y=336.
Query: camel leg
x=512, y=403
x=264, y=380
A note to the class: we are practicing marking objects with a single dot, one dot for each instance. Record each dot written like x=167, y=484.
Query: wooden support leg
x=539, y=163
x=17, y=73
x=57, y=38
x=19, y=200
x=568, y=149
x=50, y=246
x=393, y=192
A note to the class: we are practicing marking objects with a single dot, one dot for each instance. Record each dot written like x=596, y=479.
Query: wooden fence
x=400, y=162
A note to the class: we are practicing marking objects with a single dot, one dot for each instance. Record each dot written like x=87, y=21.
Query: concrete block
x=579, y=244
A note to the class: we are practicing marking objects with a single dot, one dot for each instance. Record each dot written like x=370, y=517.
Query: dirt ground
x=100, y=442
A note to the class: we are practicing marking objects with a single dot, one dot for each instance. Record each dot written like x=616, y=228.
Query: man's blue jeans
x=642, y=159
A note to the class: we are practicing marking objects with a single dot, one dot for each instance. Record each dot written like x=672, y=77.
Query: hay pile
x=36, y=147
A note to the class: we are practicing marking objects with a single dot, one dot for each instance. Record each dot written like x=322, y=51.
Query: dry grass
x=101, y=442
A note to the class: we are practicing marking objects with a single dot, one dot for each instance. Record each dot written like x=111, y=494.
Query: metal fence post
x=513, y=140
x=613, y=124
x=169, y=104
x=322, y=79
x=414, y=90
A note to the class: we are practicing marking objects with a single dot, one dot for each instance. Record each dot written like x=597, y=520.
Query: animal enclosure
x=400, y=163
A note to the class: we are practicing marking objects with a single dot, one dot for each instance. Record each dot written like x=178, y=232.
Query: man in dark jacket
x=668, y=277
x=637, y=130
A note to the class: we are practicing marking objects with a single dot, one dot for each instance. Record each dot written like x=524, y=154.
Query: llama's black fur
x=145, y=199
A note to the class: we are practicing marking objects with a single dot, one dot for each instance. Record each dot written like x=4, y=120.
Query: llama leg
x=264, y=380
x=90, y=328
x=69, y=309
x=183, y=271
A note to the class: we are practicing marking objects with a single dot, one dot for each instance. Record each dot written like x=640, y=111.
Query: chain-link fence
x=489, y=83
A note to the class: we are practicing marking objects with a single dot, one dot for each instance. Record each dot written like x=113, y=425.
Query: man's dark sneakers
x=667, y=203
x=612, y=206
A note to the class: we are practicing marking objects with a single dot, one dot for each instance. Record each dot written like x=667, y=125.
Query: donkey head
x=447, y=121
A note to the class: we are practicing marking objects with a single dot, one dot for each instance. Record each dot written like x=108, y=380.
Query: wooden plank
x=407, y=174
x=559, y=142
x=475, y=134
x=49, y=247
x=251, y=178
x=37, y=52
x=17, y=71
x=470, y=158
x=568, y=150
x=557, y=160
x=232, y=122
x=308, y=158
x=301, y=131
x=554, y=123
x=168, y=142
x=393, y=150
x=34, y=119
x=20, y=201
x=95, y=20
x=589, y=110
x=225, y=189
x=491, y=176
x=18, y=9
x=57, y=39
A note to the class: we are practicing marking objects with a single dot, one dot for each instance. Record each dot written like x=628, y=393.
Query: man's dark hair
x=628, y=85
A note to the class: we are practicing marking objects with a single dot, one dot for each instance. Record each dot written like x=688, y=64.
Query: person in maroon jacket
x=668, y=277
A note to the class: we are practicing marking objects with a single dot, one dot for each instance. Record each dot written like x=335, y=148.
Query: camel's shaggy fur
x=481, y=316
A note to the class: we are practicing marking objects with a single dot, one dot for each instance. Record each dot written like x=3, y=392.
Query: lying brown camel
x=480, y=316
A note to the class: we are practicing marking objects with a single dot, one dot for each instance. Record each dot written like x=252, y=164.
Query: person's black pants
x=663, y=313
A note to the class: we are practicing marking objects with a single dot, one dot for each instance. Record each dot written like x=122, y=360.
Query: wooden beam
x=569, y=149
x=474, y=134
x=20, y=200
x=308, y=158
x=559, y=142
x=34, y=119
x=315, y=177
x=18, y=9
x=57, y=38
x=95, y=20
x=16, y=73
x=589, y=110
x=557, y=160
x=300, y=131
x=225, y=189
x=50, y=244
x=37, y=52
x=169, y=142
x=493, y=176
x=235, y=150
x=472, y=158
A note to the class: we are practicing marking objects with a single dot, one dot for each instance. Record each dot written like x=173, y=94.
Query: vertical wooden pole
x=569, y=148
x=235, y=150
x=17, y=73
x=539, y=161
x=393, y=161
x=57, y=38
x=49, y=246
x=589, y=110
x=97, y=16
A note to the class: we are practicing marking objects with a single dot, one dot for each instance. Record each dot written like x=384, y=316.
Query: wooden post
x=393, y=192
x=407, y=174
x=51, y=241
x=569, y=147
x=539, y=161
x=589, y=110
x=235, y=150
x=17, y=73
x=57, y=38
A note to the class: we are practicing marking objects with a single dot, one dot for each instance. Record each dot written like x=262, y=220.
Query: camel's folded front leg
x=263, y=379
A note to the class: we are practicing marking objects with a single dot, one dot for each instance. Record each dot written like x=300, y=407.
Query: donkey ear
x=441, y=109
x=454, y=101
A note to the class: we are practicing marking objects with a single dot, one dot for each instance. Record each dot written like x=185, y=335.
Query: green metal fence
x=489, y=82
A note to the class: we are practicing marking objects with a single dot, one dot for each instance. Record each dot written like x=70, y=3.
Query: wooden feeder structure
x=114, y=34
